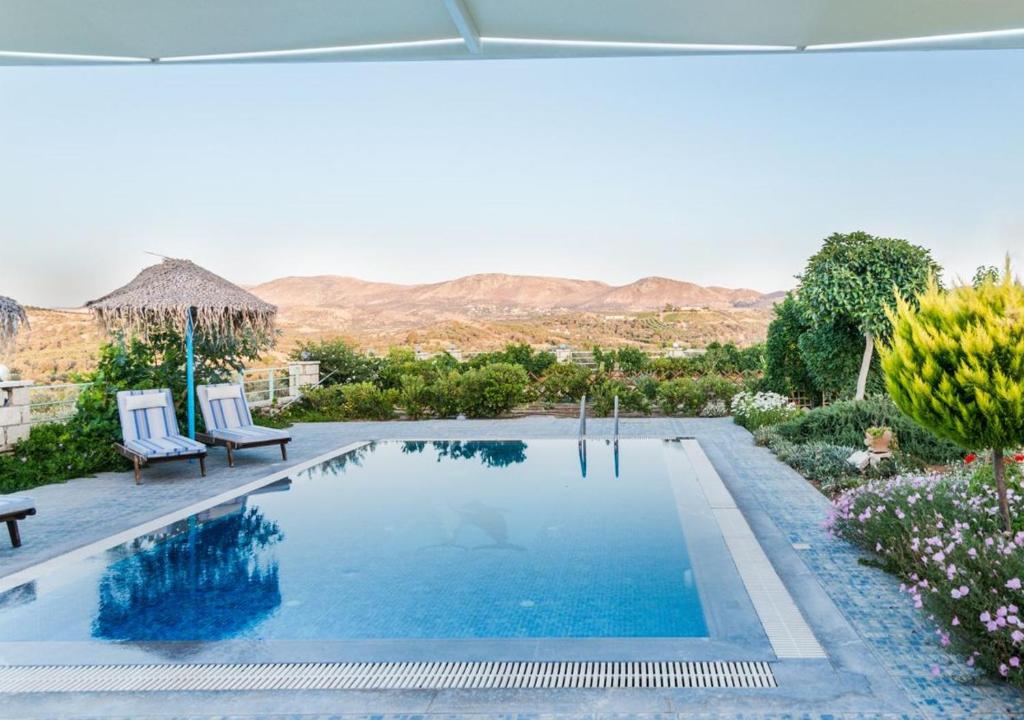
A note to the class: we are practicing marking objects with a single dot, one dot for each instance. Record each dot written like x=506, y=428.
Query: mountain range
x=472, y=313
x=499, y=294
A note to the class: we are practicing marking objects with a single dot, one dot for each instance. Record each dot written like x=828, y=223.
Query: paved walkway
x=876, y=638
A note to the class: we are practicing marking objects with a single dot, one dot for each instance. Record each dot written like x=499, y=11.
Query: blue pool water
x=401, y=540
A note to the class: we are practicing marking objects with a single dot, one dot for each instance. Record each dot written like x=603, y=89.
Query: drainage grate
x=385, y=676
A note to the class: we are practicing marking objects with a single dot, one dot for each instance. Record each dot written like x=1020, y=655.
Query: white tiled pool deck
x=880, y=651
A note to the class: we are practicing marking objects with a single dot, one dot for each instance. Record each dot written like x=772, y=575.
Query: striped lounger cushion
x=253, y=433
x=149, y=427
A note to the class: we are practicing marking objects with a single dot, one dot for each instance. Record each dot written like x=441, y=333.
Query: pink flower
x=1015, y=661
x=936, y=671
x=959, y=592
x=955, y=621
x=1013, y=584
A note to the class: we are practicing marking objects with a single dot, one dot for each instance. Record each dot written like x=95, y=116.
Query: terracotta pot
x=879, y=443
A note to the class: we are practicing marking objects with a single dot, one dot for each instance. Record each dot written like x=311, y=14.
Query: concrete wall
x=302, y=374
x=14, y=412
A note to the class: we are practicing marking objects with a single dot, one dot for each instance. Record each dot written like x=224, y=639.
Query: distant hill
x=500, y=293
x=472, y=313
x=479, y=312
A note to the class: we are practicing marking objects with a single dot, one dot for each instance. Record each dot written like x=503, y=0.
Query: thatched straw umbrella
x=12, y=317
x=180, y=295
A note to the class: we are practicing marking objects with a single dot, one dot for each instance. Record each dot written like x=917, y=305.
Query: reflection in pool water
x=217, y=578
x=491, y=454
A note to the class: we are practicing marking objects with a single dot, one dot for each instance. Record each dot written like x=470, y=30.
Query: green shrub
x=492, y=390
x=819, y=461
x=956, y=365
x=679, y=396
x=565, y=382
x=728, y=359
x=832, y=355
x=532, y=361
x=326, y=403
x=414, y=396
x=631, y=360
x=366, y=401
x=785, y=371
x=647, y=386
x=844, y=423
x=57, y=452
x=765, y=435
x=714, y=408
x=691, y=397
x=602, y=399
x=716, y=388
x=340, y=362
x=444, y=394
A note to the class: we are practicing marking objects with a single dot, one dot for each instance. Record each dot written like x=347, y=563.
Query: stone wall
x=14, y=412
x=302, y=374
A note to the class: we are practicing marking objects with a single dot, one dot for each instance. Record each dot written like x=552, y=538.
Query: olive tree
x=955, y=363
x=852, y=280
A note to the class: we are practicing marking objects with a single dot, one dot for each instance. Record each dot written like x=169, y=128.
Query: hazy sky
x=719, y=170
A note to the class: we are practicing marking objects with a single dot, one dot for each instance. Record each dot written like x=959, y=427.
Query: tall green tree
x=955, y=364
x=854, y=278
x=785, y=371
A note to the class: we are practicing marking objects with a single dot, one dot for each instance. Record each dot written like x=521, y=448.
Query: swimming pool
x=446, y=549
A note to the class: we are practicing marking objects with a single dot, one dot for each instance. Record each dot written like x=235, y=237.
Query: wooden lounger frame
x=233, y=445
x=12, y=523
x=139, y=460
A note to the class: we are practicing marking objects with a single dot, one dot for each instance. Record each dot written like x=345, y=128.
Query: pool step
x=383, y=676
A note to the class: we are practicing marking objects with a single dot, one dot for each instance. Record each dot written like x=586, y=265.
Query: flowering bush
x=754, y=410
x=942, y=535
x=714, y=408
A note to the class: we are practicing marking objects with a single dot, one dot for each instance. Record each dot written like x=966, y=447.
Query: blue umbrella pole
x=190, y=376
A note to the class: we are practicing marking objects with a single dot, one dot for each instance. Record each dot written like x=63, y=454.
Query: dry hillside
x=477, y=312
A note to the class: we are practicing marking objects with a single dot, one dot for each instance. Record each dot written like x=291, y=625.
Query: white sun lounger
x=149, y=429
x=229, y=422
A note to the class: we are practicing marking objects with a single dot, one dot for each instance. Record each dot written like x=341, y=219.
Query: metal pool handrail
x=615, y=432
x=583, y=417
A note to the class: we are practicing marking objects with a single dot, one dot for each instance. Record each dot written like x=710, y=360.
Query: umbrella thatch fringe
x=12, y=317
x=210, y=322
x=161, y=297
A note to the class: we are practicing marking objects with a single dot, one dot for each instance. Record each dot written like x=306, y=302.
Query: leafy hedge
x=492, y=384
x=844, y=423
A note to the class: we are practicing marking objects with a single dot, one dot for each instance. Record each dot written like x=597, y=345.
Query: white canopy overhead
x=165, y=31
